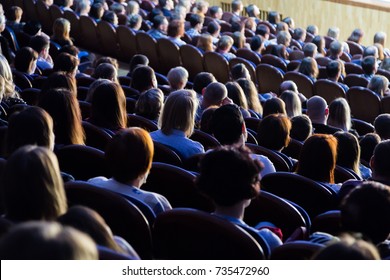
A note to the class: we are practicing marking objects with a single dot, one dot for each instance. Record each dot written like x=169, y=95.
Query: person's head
x=379, y=84
x=273, y=17
x=105, y=71
x=106, y=59
x=319, y=41
x=292, y=103
x=202, y=80
x=274, y=132
x=15, y=14
x=137, y=60
x=382, y=126
x=283, y=38
x=367, y=145
x=160, y=23
x=312, y=29
x=32, y=28
x=281, y=26
x=32, y=126
x=239, y=71
x=370, y=51
x=135, y=22
x=179, y=112
x=263, y=31
x=215, y=12
x=33, y=188
x=348, y=151
x=3, y=21
x=340, y=114
x=132, y=8
x=129, y=155
x=380, y=161
x=279, y=51
x=167, y=4
x=227, y=125
x=61, y=28
x=309, y=50
x=7, y=88
x=177, y=77
x=253, y=10
x=257, y=44
x=309, y=67
x=236, y=26
x=72, y=50
x=250, y=24
x=251, y=94
x=334, y=70
x=369, y=65
x=301, y=128
x=348, y=248
x=110, y=17
x=236, y=94
x=60, y=80
x=237, y=6
x=365, y=210
x=38, y=240
x=66, y=63
x=205, y=42
x=196, y=21
x=290, y=22
x=299, y=34
x=97, y=11
x=380, y=38
x=205, y=119
x=288, y=85
x=229, y=175
x=41, y=45
x=143, y=78
x=225, y=43
x=317, y=109
x=176, y=28
x=214, y=94
x=91, y=223
x=213, y=28
x=238, y=40
x=150, y=103
x=356, y=36
x=118, y=8
x=63, y=107
x=108, y=106
x=334, y=32
x=274, y=106
x=26, y=60
x=317, y=160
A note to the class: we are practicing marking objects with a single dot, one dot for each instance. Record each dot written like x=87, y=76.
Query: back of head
x=66, y=63
x=312, y=29
x=348, y=151
x=33, y=187
x=32, y=126
x=310, y=50
x=380, y=162
x=340, y=114
x=143, y=78
x=39, y=43
x=367, y=145
x=262, y=30
x=292, y=103
x=24, y=59
x=274, y=132
x=333, y=69
x=214, y=94
x=316, y=109
x=379, y=84
x=317, y=160
x=129, y=154
x=369, y=65
x=251, y=94
x=179, y=112
x=150, y=103
x=202, y=80
x=46, y=241
x=382, y=126
x=227, y=124
x=274, y=106
x=335, y=48
x=105, y=71
x=366, y=210
x=177, y=77
x=333, y=32
x=60, y=80
x=239, y=71
x=288, y=85
x=356, y=35
x=137, y=60
x=273, y=17
x=236, y=94
x=229, y=175
x=301, y=128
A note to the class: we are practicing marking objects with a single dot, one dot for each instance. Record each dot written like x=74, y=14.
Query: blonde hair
x=205, y=42
x=179, y=112
x=61, y=29
x=6, y=74
x=340, y=114
x=378, y=84
x=292, y=102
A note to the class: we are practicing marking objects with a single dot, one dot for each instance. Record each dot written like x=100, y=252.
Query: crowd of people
x=36, y=221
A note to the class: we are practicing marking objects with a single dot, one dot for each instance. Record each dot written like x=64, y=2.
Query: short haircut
x=335, y=48
x=229, y=175
x=143, y=78
x=227, y=124
x=262, y=30
x=366, y=210
x=129, y=154
x=367, y=145
x=195, y=19
x=381, y=157
x=179, y=112
x=256, y=43
x=301, y=128
x=66, y=63
x=239, y=71
x=39, y=43
x=14, y=13
x=177, y=77
x=137, y=60
x=202, y=80
x=176, y=28
x=150, y=103
x=236, y=5
x=274, y=132
x=382, y=126
x=368, y=65
x=273, y=17
x=105, y=71
x=225, y=42
x=213, y=10
x=215, y=93
x=309, y=49
x=333, y=68
x=213, y=27
x=24, y=58
x=274, y=106
x=158, y=20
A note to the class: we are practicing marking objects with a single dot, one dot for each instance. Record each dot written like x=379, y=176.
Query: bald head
x=317, y=109
x=214, y=94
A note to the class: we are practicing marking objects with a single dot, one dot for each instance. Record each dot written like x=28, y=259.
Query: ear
x=372, y=163
x=326, y=111
x=203, y=91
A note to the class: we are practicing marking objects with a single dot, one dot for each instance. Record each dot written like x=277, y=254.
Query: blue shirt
x=156, y=34
x=178, y=142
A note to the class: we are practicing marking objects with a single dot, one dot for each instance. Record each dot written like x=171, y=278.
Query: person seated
x=263, y=31
x=239, y=41
x=205, y=43
x=382, y=126
x=26, y=62
x=135, y=23
x=149, y=104
x=143, y=78
x=290, y=85
x=177, y=124
x=317, y=160
x=178, y=78
x=159, y=28
x=319, y=41
x=166, y=7
x=312, y=29
x=61, y=32
x=66, y=63
x=236, y=94
x=82, y=7
x=301, y=128
x=367, y=145
x=106, y=71
x=40, y=240
x=216, y=13
x=215, y=94
x=137, y=60
x=129, y=155
x=41, y=45
x=356, y=36
x=14, y=18
x=300, y=36
x=201, y=8
x=369, y=66
x=293, y=106
x=253, y=12
x=340, y=115
x=214, y=29
x=380, y=38
x=334, y=71
x=66, y=5
x=239, y=71
x=196, y=22
x=252, y=96
x=201, y=81
x=318, y=112
x=380, y=85
x=309, y=50
x=274, y=105
x=228, y=127
x=364, y=211
x=176, y=31
x=290, y=22
x=257, y=45
x=309, y=68
x=230, y=177
x=237, y=8
x=111, y=18
x=224, y=46
x=96, y=12
x=273, y=18
x=4, y=43
x=284, y=38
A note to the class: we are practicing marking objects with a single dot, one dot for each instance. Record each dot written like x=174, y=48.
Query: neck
x=235, y=211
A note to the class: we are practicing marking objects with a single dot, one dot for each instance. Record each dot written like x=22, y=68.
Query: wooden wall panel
x=325, y=14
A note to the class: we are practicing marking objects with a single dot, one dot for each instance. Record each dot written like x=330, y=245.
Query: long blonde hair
x=6, y=74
